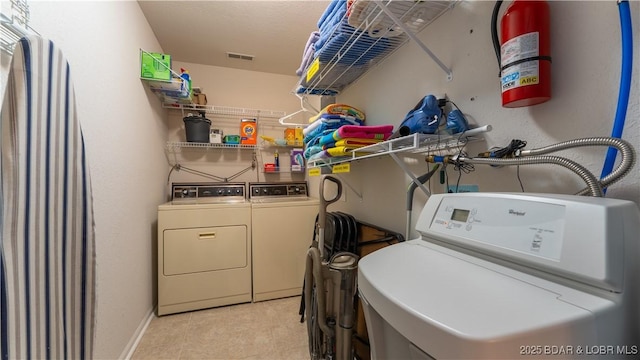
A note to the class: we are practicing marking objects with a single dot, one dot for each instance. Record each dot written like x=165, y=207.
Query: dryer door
x=196, y=250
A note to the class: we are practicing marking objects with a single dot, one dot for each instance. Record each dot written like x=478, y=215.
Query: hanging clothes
x=47, y=251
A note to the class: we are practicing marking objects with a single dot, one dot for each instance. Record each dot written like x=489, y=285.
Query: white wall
x=585, y=37
x=124, y=131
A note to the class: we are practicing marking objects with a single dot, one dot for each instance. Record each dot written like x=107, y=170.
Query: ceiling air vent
x=231, y=55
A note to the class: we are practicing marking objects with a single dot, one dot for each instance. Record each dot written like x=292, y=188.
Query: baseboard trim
x=137, y=336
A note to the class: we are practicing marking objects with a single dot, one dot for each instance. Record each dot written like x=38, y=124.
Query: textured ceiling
x=202, y=32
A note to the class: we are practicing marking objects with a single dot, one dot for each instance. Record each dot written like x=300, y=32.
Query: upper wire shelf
x=227, y=111
x=366, y=34
x=175, y=146
x=412, y=144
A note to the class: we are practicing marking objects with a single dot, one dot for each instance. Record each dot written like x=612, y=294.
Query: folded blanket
x=327, y=120
x=380, y=132
x=339, y=109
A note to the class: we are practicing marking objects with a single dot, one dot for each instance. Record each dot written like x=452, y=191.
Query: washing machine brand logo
x=516, y=213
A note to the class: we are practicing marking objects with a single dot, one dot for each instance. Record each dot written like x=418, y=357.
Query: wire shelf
x=411, y=144
x=176, y=147
x=368, y=33
x=227, y=111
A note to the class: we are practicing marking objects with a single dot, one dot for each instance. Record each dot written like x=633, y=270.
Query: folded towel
x=324, y=129
x=328, y=26
x=314, y=91
x=350, y=143
x=307, y=59
x=315, y=139
x=340, y=150
x=380, y=132
x=335, y=152
x=308, y=52
x=339, y=109
x=327, y=120
x=343, y=47
x=312, y=150
x=353, y=142
x=328, y=12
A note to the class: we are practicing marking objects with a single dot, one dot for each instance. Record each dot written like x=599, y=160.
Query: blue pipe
x=625, y=84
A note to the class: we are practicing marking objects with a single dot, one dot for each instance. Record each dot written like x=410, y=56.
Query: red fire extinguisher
x=525, y=54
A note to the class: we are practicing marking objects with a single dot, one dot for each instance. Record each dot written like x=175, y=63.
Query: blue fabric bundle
x=338, y=37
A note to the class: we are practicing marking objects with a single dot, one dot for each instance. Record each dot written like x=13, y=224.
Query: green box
x=155, y=66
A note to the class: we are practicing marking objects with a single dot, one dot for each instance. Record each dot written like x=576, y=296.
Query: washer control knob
x=220, y=192
x=185, y=192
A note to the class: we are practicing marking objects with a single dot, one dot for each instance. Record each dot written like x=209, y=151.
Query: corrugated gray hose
x=627, y=156
x=594, y=186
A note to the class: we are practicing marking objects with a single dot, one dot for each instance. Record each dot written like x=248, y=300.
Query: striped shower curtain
x=47, y=253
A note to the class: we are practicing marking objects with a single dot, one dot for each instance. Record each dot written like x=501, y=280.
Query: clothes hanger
x=303, y=100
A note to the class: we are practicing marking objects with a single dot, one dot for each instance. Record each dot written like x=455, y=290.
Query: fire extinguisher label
x=516, y=73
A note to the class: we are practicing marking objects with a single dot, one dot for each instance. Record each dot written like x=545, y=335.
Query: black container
x=197, y=128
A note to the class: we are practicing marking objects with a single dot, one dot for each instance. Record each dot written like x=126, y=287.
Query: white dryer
x=508, y=276
x=204, y=247
x=283, y=218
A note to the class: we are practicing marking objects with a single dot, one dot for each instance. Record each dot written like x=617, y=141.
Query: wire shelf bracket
x=414, y=38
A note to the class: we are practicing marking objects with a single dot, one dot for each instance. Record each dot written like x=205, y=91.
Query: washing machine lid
x=453, y=305
x=578, y=237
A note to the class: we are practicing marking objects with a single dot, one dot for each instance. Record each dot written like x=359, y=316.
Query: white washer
x=506, y=276
x=204, y=247
x=283, y=219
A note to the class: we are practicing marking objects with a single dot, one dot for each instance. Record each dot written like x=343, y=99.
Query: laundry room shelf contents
x=355, y=36
x=168, y=85
x=173, y=91
x=412, y=144
x=222, y=116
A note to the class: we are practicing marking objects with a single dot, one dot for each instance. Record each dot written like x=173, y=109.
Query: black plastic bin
x=197, y=128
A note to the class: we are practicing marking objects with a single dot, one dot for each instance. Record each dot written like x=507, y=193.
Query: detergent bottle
x=184, y=74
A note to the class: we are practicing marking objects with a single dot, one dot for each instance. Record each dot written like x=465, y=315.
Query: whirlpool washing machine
x=508, y=276
x=283, y=219
x=204, y=247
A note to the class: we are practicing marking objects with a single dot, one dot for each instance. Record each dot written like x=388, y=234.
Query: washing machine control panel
x=207, y=192
x=281, y=190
